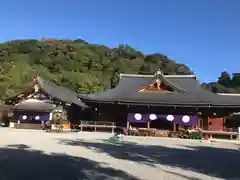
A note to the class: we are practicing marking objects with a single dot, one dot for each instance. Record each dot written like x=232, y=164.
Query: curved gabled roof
x=60, y=93
x=54, y=91
x=127, y=91
x=187, y=92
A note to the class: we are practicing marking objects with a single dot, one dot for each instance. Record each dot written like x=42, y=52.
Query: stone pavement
x=27, y=154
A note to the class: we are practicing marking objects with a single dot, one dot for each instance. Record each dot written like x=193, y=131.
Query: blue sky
x=204, y=34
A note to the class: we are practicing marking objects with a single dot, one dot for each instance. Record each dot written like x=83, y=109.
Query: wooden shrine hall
x=159, y=101
x=39, y=101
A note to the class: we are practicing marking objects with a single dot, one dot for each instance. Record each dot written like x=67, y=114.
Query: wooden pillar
x=207, y=124
x=224, y=120
x=204, y=120
x=18, y=124
x=174, y=127
x=81, y=126
x=148, y=125
x=199, y=123
x=128, y=124
x=113, y=126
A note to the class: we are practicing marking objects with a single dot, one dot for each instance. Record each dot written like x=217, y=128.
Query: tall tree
x=224, y=79
x=236, y=80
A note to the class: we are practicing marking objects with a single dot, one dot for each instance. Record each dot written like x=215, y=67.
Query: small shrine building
x=39, y=102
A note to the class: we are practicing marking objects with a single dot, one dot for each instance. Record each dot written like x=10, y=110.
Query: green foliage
x=225, y=84
x=114, y=79
x=78, y=65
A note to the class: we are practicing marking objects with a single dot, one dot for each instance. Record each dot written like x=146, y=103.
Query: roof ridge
x=149, y=75
x=163, y=78
x=229, y=94
x=171, y=84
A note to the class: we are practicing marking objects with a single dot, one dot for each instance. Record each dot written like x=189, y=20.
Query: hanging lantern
x=138, y=116
x=24, y=117
x=152, y=116
x=185, y=119
x=170, y=117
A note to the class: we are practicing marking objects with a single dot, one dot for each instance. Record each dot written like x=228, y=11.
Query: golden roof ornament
x=36, y=88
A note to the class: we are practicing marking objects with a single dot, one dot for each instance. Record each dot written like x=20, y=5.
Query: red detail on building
x=216, y=124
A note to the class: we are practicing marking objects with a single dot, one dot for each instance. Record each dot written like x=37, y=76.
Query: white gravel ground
x=28, y=154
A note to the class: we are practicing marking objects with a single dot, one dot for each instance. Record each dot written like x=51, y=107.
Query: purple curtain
x=34, y=117
x=189, y=120
x=131, y=118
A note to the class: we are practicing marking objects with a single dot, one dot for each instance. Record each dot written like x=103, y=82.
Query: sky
x=203, y=34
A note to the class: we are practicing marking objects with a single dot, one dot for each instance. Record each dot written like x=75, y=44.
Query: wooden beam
x=148, y=125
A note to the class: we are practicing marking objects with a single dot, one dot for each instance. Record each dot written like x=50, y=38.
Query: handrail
x=219, y=132
x=97, y=123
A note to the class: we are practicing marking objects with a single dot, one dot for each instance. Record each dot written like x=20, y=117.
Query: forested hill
x=81, y=66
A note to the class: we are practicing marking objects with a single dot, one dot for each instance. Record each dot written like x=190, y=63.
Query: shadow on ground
x=215, y=162
x=19, y=162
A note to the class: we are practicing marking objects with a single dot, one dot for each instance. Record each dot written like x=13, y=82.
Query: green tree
x=224, y=79
x=236, y=80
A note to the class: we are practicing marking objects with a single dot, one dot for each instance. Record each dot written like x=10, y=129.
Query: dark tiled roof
x=187, y=92
x=59, y=93
x=34, y=106
x=228, y=99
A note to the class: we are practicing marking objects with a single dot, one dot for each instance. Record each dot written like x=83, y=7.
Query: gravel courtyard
x=26, y=154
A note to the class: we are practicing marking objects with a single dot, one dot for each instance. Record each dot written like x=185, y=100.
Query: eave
x=162, y=104
x=144, y=103
x=31, y=110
